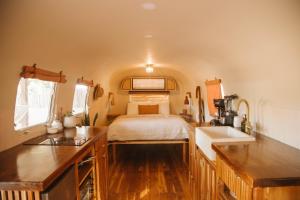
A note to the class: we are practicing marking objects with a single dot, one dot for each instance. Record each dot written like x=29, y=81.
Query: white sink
x=205, y=136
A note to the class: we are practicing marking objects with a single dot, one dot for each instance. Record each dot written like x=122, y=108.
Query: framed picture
x=148, y=83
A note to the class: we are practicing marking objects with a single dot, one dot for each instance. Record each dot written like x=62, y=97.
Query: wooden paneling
x=205, y=177
x=274, y=193
x=228, y=178
x=192, y=164
x=202, y=173
x=102, y=167
x=170, y=84
x=126, y=84
x=19, y=195
x=235, y=183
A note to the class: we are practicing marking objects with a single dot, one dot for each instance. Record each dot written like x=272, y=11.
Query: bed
x=158, y=128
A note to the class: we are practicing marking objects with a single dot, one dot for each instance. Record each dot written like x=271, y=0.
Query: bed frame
x=183, y=142
x=140, y=96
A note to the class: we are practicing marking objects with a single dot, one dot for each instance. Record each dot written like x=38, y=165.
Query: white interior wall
x=254, y=47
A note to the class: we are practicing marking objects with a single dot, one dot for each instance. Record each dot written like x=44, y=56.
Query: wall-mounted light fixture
x=149, y=68
x=111, y=98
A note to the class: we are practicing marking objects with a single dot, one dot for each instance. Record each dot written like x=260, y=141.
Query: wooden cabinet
x=102, y=167
x=170, y=84
x=89, y=162
x=192, y=164
x=205, y=177
x=85, y=174
x=202, y=173
x=232, y=186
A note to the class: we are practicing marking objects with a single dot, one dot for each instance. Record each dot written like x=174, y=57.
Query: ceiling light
x=148, y=36
x=149, y=68
x=149, y=6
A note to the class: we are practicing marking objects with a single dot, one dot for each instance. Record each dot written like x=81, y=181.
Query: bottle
x=243, y=124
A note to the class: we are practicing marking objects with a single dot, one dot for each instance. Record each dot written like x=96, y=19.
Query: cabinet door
x=200, y=176
x=102, y=168
x=210, y=181
x=205, y=178
x=192, y=164
x=227, y=177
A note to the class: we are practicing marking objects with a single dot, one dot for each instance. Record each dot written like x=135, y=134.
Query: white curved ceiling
x=186, y=35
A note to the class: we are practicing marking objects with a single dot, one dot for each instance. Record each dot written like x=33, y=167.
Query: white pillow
x=164, y=108
x=132, y=109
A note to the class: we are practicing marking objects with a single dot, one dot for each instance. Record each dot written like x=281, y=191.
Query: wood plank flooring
x=148, y=172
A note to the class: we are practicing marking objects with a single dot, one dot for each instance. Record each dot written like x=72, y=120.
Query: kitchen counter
x=35, y=167
x=264, y=163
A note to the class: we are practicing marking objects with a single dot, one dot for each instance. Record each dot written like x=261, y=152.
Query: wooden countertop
x=35, y=167
x=265, y=162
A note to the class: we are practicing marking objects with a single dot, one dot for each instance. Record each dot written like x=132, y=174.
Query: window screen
x=80, y=99
x=33, y=102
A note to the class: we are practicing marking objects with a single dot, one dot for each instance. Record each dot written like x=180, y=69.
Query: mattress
x=148, y=127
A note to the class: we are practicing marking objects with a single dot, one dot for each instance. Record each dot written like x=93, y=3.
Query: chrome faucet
x=248, y=126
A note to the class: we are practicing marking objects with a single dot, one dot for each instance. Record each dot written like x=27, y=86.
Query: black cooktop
x=58, y=141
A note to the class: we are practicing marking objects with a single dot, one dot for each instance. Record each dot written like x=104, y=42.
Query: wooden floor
x=148, y=172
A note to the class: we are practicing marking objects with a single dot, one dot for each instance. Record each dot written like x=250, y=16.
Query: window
x=80, y=99
x=33, y=103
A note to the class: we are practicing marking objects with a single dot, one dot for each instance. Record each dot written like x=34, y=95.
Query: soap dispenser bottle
x=243, y=124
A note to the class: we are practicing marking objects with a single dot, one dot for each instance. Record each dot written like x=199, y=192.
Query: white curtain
x=33, y=103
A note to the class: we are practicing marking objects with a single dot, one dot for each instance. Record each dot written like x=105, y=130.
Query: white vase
x=69, y=121
x=57, y=124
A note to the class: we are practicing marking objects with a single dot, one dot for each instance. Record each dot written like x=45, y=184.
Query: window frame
x=51, y=108
x=86, y=107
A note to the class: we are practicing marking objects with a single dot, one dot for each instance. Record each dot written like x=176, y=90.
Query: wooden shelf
x=84, y=171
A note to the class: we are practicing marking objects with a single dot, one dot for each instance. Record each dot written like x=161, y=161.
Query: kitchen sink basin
x=206, y=136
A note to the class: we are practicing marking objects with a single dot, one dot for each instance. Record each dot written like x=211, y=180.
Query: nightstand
x=111, y=117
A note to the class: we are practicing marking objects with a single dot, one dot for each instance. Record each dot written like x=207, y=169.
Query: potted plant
x=86, y=120
x=69, y=120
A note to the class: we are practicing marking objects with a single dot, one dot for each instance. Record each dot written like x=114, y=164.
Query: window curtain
x=34, y=103
x=213, y=88
x=36, y=73
x=89, y=84
x=80, y=101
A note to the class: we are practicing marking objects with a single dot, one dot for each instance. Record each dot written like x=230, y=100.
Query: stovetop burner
x=64, y=141
x=59, y=141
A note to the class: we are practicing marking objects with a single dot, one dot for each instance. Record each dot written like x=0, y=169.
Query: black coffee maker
x=229, y=113
x=220, y=105
x=225, y=112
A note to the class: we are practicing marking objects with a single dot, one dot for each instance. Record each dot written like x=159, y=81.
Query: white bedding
x=148, y=127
